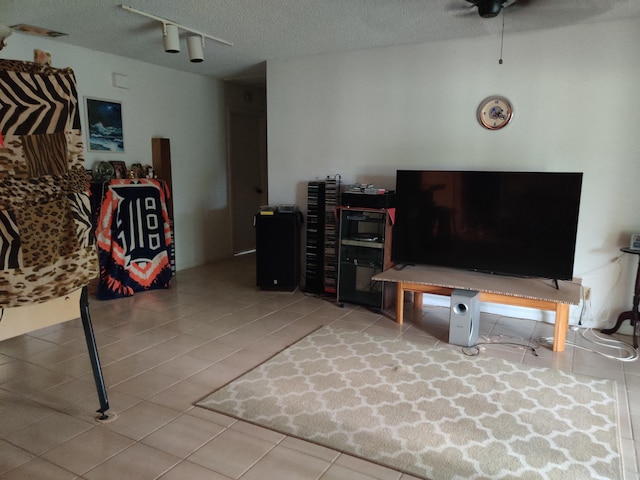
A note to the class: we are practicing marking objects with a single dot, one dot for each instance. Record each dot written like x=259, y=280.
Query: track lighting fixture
x=171, y=36
x=195, y=44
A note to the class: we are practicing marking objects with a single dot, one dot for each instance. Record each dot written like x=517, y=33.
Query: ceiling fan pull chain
x=501, y=38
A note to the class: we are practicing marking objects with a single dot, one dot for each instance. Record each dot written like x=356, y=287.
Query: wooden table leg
x=560, y=327
x=400, y=304
x=417, y=299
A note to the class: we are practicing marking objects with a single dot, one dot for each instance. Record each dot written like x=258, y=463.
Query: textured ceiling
x=267, y=29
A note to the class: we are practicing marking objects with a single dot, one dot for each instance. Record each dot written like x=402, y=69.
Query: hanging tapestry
x=134, y=238
x=47, y=246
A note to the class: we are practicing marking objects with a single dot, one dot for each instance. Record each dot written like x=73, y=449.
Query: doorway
x=248, y=183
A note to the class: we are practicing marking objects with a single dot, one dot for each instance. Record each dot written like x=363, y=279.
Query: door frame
x=248, y=101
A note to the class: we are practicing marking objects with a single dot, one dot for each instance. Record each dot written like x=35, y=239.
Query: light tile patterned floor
x=165, y=349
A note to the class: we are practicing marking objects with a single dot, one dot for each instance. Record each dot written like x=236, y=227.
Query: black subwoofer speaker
x=278, y=250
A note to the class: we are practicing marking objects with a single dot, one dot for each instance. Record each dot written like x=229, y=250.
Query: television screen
x=512, y=223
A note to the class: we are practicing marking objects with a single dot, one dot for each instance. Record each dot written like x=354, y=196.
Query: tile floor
x=165, y=349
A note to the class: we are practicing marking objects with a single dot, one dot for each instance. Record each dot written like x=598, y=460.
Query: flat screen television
x=510, y=223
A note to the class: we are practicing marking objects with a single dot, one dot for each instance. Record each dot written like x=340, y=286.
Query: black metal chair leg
x=621, y=318
x=624, y=316
x=93, y=354
x=632, y=315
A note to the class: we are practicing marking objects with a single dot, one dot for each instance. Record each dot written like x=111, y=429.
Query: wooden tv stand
x=521, y=292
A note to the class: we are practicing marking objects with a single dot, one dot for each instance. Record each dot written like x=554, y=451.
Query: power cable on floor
x=476, y=347
x=474, y=350
x=630, y=353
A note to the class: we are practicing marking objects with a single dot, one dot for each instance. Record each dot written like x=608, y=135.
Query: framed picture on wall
x=104, y=125
x=119, y=168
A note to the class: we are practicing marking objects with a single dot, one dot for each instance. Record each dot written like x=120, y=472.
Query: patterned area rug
x=431, y=412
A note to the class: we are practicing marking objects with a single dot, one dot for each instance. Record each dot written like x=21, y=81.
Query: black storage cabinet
x=365, y=249
x=278, y=250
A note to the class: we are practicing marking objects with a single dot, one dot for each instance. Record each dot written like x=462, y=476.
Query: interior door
x=248, y=171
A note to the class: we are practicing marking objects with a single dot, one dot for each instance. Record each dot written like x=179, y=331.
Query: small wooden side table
x=521, y=292
x=631, y=315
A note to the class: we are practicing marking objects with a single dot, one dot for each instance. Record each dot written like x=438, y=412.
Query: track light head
x=195, y=44
x=171, y=38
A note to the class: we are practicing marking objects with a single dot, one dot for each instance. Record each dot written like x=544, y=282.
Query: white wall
x=186, y=108
x=365, y=114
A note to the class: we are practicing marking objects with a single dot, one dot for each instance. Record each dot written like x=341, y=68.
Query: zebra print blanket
x=47, y=246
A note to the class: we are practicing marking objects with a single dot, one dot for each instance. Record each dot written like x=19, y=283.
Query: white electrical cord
x=631, y=354
x=474, y=350
x=605, y=308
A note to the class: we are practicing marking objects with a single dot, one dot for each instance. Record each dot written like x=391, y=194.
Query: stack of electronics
x=368, y=196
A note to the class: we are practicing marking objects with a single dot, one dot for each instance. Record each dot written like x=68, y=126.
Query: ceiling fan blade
x=516, y=4
x=460, y=9
x=510, y=3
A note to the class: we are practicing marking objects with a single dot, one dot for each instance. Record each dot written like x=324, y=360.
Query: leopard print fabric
x=47, y=246
x=20, y=66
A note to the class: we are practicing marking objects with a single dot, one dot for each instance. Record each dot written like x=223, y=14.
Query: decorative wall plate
x=103, y=171
x=495, y=112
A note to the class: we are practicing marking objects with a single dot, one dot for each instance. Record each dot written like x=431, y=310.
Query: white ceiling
x=266, y=29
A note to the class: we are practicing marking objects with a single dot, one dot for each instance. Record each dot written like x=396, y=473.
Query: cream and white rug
x=431, y=412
